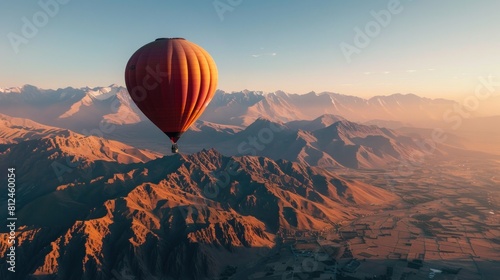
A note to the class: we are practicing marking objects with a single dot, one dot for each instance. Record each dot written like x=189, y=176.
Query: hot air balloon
x=172, y=81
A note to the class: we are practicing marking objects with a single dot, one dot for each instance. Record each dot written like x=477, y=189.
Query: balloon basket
x=175, y=149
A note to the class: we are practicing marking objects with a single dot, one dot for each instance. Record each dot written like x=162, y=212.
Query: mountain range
x=92, y=208
x=99, y=196
x=322, y=142
x=109, y=112
x=79, y=108
x=149, y=219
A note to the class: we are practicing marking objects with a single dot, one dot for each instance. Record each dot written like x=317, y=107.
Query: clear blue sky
x=430, y=48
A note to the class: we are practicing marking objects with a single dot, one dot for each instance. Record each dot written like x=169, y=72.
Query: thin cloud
x=264, y=54
x=411, y=71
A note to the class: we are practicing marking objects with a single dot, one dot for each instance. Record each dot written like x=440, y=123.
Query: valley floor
x=446, y=226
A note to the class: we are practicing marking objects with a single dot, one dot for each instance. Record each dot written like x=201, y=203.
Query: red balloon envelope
x=172, y=81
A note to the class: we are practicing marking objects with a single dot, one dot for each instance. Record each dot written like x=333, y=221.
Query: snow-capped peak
x=103, y=93
x=10, y=90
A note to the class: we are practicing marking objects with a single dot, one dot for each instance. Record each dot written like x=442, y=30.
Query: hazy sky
x=430, y=48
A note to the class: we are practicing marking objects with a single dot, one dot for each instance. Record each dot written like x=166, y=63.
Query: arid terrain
x=247, y=140
x=265, y=194
x=445, y=226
